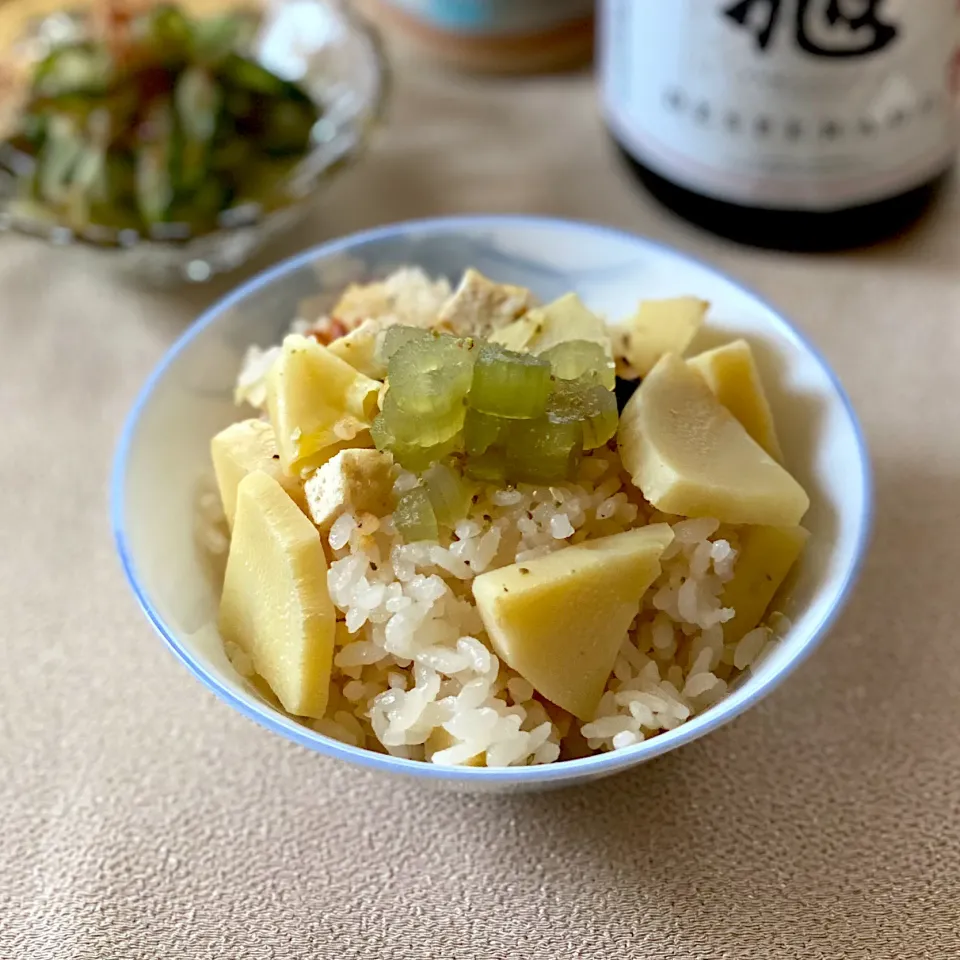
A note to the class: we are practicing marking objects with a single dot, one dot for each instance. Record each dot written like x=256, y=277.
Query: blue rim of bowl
x=721, y=713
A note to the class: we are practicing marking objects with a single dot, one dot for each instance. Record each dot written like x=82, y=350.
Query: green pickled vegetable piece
x=422, y=430
x=193, y=166
x=601, y=426
x=265, y=181
x=449, y=494
x=154, y=176
x=33, y=128
x=87, y=185
x=418, y=459
x=398, y=336
x=590, y=405
x=414, y=517
x=238, y=103
x=411, y=456
x=213, y=38
x=89, y=174
x=79, y=69
x=112, y=202
x=489, y=467
x=197, y=100
x=74, y=107
x=581, y=359
x=120, y=175
x=543, y=451
x=231, y=154
x=286, y=126
x=248, y=74
x=431, y=376
x=163, y=34
x=201, y=210
x=383, y=437
x=61, y=151
x=508, y=384
x=481, y=431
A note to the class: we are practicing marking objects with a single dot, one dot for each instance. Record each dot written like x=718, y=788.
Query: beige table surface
x=142, y=818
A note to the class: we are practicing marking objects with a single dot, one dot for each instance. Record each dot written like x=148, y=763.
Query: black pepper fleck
x=276, y=456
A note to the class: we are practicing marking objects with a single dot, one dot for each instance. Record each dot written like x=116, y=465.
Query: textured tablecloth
x=142, y=818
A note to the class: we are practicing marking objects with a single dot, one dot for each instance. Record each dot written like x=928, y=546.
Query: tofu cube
x=479, y=306
x=358, y=481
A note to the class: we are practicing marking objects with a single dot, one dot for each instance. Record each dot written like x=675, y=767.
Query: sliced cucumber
x=510, y=385
x=414, y=517
x=543, y=451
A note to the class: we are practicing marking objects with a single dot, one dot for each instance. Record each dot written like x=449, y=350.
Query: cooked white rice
x=414, y=674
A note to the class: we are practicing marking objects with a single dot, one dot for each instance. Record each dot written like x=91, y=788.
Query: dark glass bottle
x=795, y=124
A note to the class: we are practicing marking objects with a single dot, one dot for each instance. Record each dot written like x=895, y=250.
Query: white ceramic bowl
x=163, y=454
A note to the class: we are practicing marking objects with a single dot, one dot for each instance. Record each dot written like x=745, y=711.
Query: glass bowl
x=320, y=44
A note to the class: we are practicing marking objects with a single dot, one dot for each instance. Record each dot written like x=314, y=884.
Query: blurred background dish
x=180, y=137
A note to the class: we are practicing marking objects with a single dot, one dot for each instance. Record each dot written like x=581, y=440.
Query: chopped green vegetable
x=214, y=38
x=414, y=517
x=489, y=467
x=249, y=75
x=287, y=127
x=88, y=182
x=587, y=404
x=508, y=384
x=449, y=494
x=543, y=451
x=481, y=431
x=164, y=31
x=155, y=159
x=398, y=336
x=430, y=376
x=507, y=415
x=422, y=430
x=61, y=151
x=200, y=126
x=83, y=69
x=197, y=100
x=410, y=455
